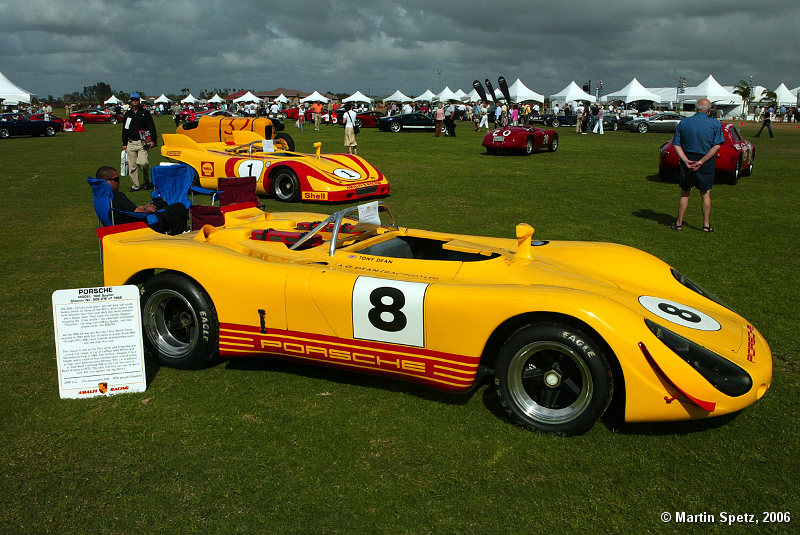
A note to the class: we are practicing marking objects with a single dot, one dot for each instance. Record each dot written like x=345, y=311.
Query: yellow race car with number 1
x=561, y=327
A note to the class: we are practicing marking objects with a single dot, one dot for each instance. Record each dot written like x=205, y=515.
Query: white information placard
x=368, y=214
x=99, y=348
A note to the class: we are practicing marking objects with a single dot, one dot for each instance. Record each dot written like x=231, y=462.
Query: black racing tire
x=733, y=177
x=4, y=133
x=359, y=122
x=749, y=169
x=179, y=321
x=615, y=126
x=529, y=146
x=553, y=378
x=113, y=120
x=395, y=126
x=285, y=185
x=555, y=122
x=287, y=139
x=642, y=128
x=50, y=131
x=491, y=150
x=553, y=146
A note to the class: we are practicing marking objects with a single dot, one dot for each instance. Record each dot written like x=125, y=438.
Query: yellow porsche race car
x=289, y=176
x=561, y=327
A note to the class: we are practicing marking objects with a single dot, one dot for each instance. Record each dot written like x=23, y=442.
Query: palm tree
x=769, y=97
x=744, y=90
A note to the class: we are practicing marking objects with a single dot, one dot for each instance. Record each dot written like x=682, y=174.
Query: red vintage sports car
x=94, y=116
x=734, y=159
x=520, y=138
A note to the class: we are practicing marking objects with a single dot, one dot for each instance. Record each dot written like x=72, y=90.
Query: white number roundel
x=389, y=311
x=250, y=168
x=679, y=314
x=347, y=174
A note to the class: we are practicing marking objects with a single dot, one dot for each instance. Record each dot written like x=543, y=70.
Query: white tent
x=785, y=96
x=358, y=96
x=795, y=91
x=163, y=98
x=11, y=93
x=461, y=95
x=632, y=92
x=572, y=93
x=397, y=96
x=282, y=99
x=473, y=96
x=216, y=99
x=247, y=97
x=314, y=97
x=445, y=95
x=427, y=96
x=519, y=92
x=189, y=100
x=713, y=91
x=112, y=100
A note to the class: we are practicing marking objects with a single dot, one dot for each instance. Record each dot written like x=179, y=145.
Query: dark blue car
x=17, y=124
x=410, y=121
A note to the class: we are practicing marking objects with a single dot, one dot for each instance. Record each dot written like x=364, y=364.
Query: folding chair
x=103, y=195
x=232, y=190
x=174, y=183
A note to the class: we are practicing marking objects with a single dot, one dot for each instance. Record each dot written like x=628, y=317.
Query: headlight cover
x=724, y=375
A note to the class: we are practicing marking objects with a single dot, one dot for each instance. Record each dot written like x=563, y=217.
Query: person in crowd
x=514, y=115
x=555, y=108
x=172, y=217
x=477, y=115
x=579, y=118
x=438, y=120
x=349, y=120
x=697, y=140
x=316, y=109
x=498, y=115
x=301, y=116
x=598, y=123
x=767, y=121
x=484, y=116
x=138, y=137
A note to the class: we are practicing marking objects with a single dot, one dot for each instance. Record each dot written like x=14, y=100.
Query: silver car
x=662, y=122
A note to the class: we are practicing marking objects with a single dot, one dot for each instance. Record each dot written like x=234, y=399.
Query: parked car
x=18, y=124
x=95, y=116
x=520, y=138
x=49, y=117
x=660, y=122
x=734, y=159
x=559, y=327
x=610, y=120
x=406, y=121
x=364, y=119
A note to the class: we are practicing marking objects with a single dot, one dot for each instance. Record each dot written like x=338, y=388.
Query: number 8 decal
x=389, y=311
x=679, y=314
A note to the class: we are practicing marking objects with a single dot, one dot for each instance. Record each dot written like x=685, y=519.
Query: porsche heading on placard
x=520, y=138
x=560, y=327
x=289, y=176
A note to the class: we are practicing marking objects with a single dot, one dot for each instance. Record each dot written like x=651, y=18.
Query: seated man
x=172, y=217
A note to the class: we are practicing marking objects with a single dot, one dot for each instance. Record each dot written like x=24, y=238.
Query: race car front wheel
x=553, y=378
x=395, y=126
x=179, y=321
x=529, y=145
x=285, y=141
x=286, y=186
x=49, y=131
x=553, y=146
x=113, y=120
x=4, y=133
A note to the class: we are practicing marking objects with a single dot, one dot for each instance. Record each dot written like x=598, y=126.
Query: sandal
x=676, y=226
x=708, y=228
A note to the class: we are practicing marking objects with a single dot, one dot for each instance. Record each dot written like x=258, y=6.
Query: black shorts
x=702, y=179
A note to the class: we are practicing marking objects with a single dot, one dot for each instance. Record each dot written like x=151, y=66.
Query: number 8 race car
x=561, y=326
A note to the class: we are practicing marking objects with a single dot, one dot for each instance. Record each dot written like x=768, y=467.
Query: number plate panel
x=389, y=311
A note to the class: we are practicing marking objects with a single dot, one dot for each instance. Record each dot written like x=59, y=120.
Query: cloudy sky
x=55, y=47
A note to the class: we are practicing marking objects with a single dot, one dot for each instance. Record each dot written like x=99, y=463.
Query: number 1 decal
x=389, y=311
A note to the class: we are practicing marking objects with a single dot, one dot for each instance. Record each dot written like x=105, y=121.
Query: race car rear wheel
x=50, y=131
x=286, y=186
x=555, y=122
x=4, y=133
x=643, y=128
x=553, y=146
x=113, y=120
x=615, y=126
x=285, y=141
x=553, y=378
x=733, y=177
x=395, y=126
x=529, y=145
x=179, y=321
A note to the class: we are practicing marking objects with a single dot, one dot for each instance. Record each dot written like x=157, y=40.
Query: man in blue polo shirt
x=697, y=140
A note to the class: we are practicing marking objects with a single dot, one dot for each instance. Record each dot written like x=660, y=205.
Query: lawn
x=264, y=446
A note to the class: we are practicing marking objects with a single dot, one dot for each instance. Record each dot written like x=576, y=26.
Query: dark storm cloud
x=346, y=45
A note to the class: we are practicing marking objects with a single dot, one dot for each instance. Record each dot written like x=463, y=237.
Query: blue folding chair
x=174, y=183
x=102, y=193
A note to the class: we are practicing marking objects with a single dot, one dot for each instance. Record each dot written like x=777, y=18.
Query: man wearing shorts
x=697, y=140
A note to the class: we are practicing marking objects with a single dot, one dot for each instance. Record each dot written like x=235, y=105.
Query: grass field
x=263, y=446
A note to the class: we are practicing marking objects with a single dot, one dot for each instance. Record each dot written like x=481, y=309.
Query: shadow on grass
x=659, y=217
x=333, y=375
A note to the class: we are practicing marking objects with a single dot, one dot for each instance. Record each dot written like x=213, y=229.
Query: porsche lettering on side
x=560, y=327
x=289, y=176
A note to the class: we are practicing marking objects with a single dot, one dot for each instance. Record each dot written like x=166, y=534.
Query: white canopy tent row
x=397, y=96
x=631, y=93
x=519, y=92
x=446, y=95
x=427, y=96
x=162, y=99
x=314, y=97
x=216, y=99
x=282, y=99
x=112, y=100
x=785, y=97
x=190, y=99
x=11, y=94
x=358, y=96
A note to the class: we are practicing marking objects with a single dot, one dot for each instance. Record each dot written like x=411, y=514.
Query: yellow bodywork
x=221, y=129
x=500, y=285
